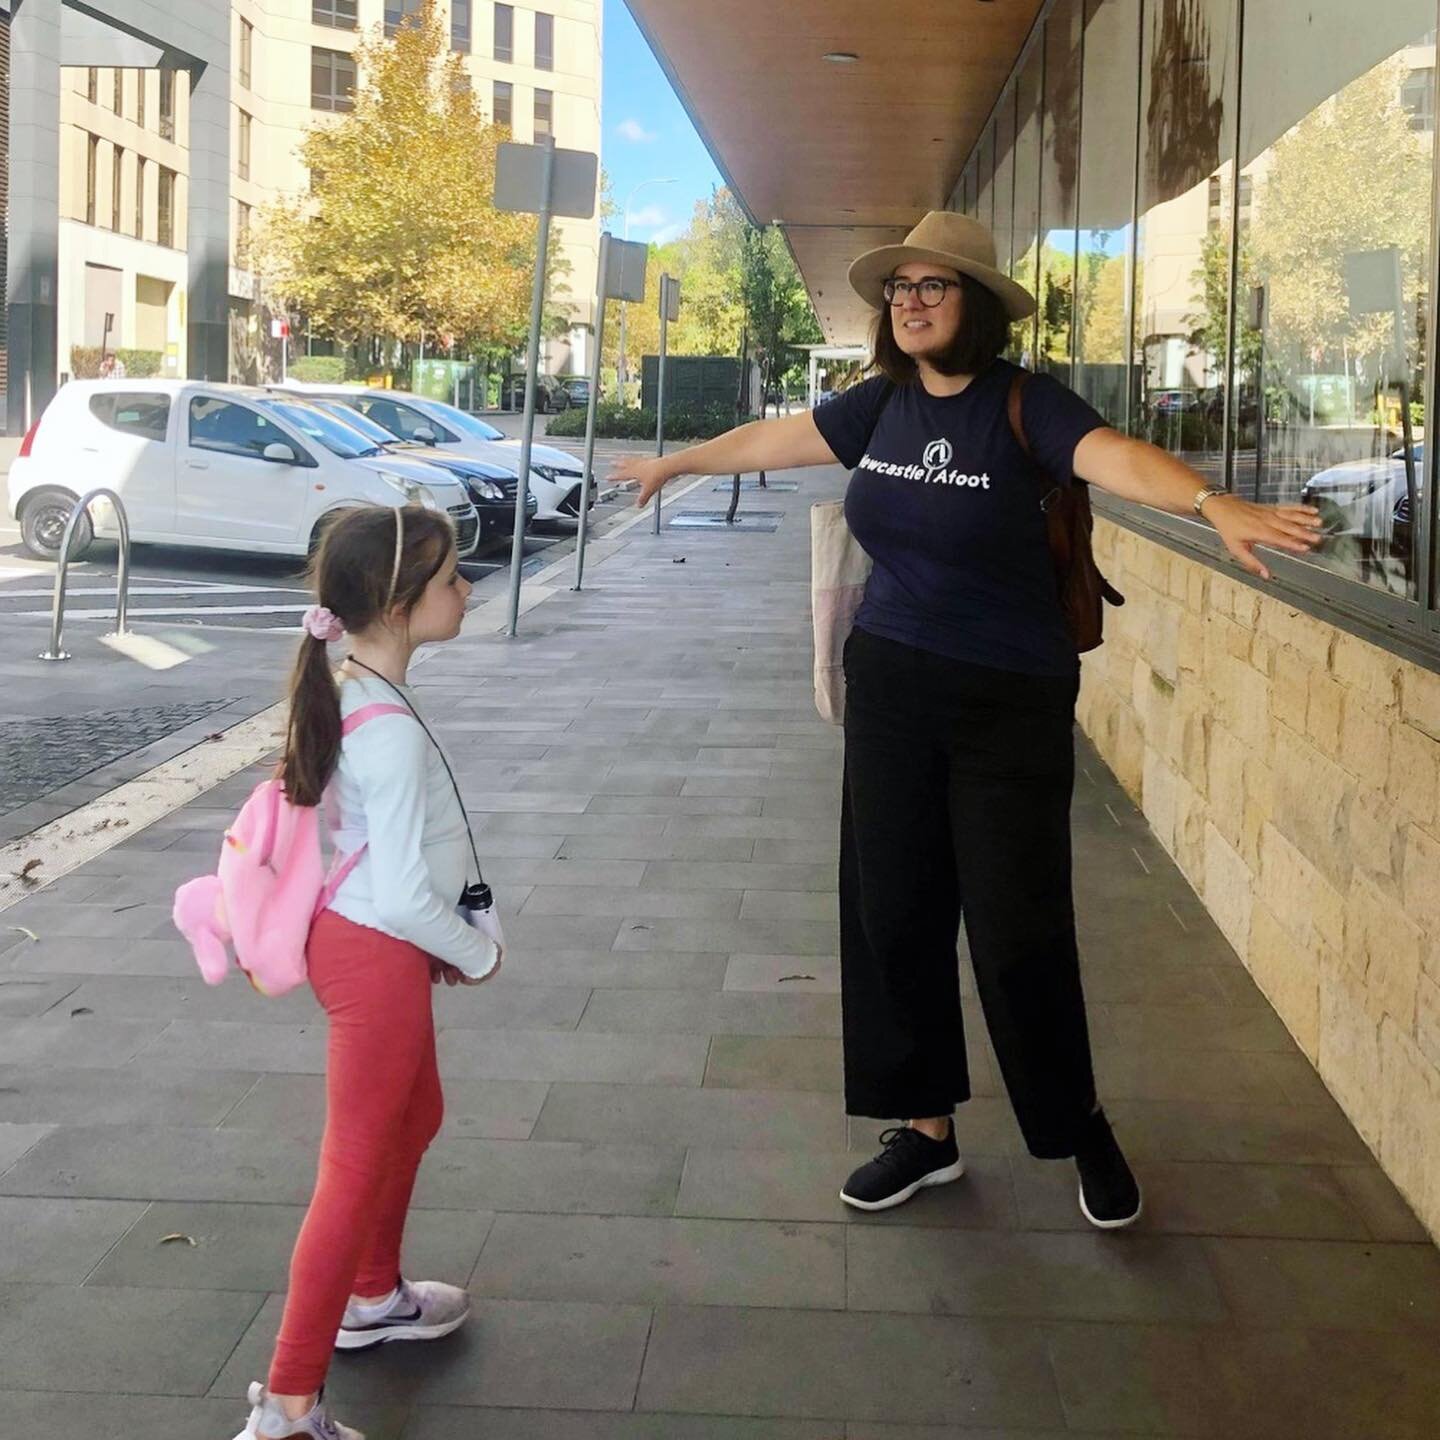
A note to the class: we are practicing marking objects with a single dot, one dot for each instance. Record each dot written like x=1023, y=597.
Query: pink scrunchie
x=323, y=624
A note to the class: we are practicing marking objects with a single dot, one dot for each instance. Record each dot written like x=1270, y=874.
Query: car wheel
x=42, y=525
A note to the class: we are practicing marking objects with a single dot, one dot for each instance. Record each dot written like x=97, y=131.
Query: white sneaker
x=268, y=1421
x=422, y=1310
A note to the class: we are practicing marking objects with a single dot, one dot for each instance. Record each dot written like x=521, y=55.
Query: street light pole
x=620, y=372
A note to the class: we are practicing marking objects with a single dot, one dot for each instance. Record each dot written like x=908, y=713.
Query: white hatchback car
x=554, y=476
x=218, y=467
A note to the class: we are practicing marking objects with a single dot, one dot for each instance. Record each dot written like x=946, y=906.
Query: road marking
x=109, y=612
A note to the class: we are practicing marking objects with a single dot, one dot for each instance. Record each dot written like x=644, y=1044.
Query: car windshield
x=354, y=420
x=469, y=425
x=336, y=435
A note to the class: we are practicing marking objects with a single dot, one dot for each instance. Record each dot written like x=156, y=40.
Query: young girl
x=388, y=579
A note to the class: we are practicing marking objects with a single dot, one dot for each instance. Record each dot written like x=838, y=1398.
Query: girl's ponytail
x=312, y=740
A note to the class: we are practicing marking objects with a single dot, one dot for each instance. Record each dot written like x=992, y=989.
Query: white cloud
x=667, y=233
x=647, y=218
x=635, y=132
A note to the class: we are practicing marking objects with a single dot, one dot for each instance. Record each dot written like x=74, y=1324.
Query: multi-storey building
x=146, y=141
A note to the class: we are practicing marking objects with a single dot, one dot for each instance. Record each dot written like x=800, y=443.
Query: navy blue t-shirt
x=947, y=505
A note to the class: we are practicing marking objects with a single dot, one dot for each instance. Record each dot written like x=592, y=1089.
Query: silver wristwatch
x=1208, y=493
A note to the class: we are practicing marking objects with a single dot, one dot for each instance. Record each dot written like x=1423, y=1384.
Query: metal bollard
x=122, y=581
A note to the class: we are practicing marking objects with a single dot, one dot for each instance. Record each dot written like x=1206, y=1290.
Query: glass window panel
x=544, y=113
x=1059, y=190
x=117, y=176
x=544, y=42
x=1024, y=240
x=341, y=14
x=1182, y=246
x=1004, y=189
x=397, y=12
x=140, y=197
x=505, y=33
x=1335, y=260
x=247, y=54
x=460, y=18
x=167, y=104
x=984, y=179
x=1106, y=235
x=504, y=103
x=967, y=188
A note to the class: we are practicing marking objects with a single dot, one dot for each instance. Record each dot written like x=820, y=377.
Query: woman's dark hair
x=983, y=334
x=355, y=576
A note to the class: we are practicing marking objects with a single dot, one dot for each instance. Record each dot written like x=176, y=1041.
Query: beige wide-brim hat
x=941, y=238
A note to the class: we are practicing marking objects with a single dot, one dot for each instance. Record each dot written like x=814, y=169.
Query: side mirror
x=425, y=435
x=279, y=453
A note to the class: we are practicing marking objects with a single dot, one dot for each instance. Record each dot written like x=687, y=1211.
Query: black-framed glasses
x=931, y=290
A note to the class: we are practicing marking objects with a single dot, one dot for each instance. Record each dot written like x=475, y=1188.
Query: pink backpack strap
x=345, y=864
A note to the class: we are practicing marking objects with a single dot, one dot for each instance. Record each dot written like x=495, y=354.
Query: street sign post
x=621, y=276
x=543, y=181
x=669, y=310
x=280, y=330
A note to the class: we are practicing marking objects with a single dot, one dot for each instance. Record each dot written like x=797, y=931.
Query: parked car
x=550, y=394
x=577, y=387
x=554, y=475
x=218, y=467
x=1367, y=499
x=492, y=487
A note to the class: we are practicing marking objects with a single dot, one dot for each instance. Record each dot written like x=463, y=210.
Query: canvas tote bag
x=838, y=571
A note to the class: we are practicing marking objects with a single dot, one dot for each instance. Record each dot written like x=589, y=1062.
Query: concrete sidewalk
x=645, y=1137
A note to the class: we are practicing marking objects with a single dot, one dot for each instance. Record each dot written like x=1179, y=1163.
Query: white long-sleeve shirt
x=391, y=793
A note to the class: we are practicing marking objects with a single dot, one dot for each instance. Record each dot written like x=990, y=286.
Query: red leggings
x=383, y=1108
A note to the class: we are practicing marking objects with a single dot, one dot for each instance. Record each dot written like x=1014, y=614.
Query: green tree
x=398, y=238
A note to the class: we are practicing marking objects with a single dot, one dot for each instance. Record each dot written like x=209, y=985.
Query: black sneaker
x=1109, y=1192
x=909, y=1162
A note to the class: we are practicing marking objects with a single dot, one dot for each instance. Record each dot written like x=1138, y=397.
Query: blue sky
x=648, y=136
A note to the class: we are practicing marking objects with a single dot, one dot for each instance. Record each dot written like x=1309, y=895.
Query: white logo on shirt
x=936, y=457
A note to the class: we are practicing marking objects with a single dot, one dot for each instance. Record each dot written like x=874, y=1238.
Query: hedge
x=320, y=369
x=622, y=422
x=139, y=364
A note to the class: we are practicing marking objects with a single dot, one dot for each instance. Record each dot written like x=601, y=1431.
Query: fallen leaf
x=81, y=1010
x=784, y=978
x=677, y=560
x=218, y=735
x=24, y=873
x=28, y=934
x=179, y=1237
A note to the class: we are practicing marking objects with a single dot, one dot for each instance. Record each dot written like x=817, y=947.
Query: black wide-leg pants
x=957, y=803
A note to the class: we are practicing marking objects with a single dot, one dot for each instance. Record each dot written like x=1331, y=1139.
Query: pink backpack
x=268, y=888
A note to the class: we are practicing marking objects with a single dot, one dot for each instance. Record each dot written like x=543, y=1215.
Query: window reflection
x=1105, y=239
x=1004, y=188
x=1059, y=166
x=1024, y=244
x=984, y=190
x=1182, y=271
x=1333, y=274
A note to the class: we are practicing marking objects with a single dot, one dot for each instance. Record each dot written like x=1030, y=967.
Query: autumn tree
x=398, y=237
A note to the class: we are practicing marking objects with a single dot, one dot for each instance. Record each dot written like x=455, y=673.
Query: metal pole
x=587, y=469
x=537, y=308
x=62, y=569
x=660, y=392
x=620, y=376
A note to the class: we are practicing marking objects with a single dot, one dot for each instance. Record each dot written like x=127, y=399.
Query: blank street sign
x=626, y=278
x=670, y=298
x=520, y=181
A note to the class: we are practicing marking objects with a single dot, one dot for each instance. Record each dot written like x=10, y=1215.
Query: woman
x=961, y=681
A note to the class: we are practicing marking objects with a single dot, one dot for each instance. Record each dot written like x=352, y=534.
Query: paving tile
x=247, y=1247
x=16, y=1140
x=429, y=1422
x=762, y=1062
x=133, y=1342
x=1274, y=1134
x=523, y=1353
x=1382, y=1206
x=82, y=1040
x=805, y=1185
x=198, y=1044
x=605, y=869
x=141, y=997
x=1211, y=1028
x=634, y=1260
x=693, y=1012
x=22, y=996
x=1304, y=1202
x=657, y=847
x=90, y=922
x=790, y=905
x=529, y=934
x=546, y=823
x=621, y=901
x=1023, y=1276
x=59, y=1242
x=56, y=956
x=1275, y=1284
x=735, y=937
x=607, y=970
x=783, y=974
x=583, y=1055
x=674, y=805
x=477, y=1109
x=57, y=1095
x=862, y=1431
x=695, y=875
x=1155, y=1072
x=510, y=1004
x=823, y=850
x=721, y=1361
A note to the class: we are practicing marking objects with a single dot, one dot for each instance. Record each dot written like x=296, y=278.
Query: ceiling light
x=842, y=57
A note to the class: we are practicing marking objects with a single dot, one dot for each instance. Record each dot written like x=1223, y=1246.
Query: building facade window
x=165, y=208
x=504, y=103
x=117, y=178
x=142, y=80
x=242, y=162
x=332, y=80
x=544, y=41
x=505, y=33
x=461, y=34
x=92, y=85
x=167, y=104
x=92, y=168
x=337, y=14
x=247, y=54
x=117, y=95
x=1187, y=292
x=242, y=235
x=139, y=197
x=397, y=12
x=544, y=113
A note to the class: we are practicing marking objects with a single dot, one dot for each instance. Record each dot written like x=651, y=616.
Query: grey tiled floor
x=638, y=1172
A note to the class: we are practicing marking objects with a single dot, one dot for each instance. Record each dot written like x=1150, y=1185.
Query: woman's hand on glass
x=1243, y=525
